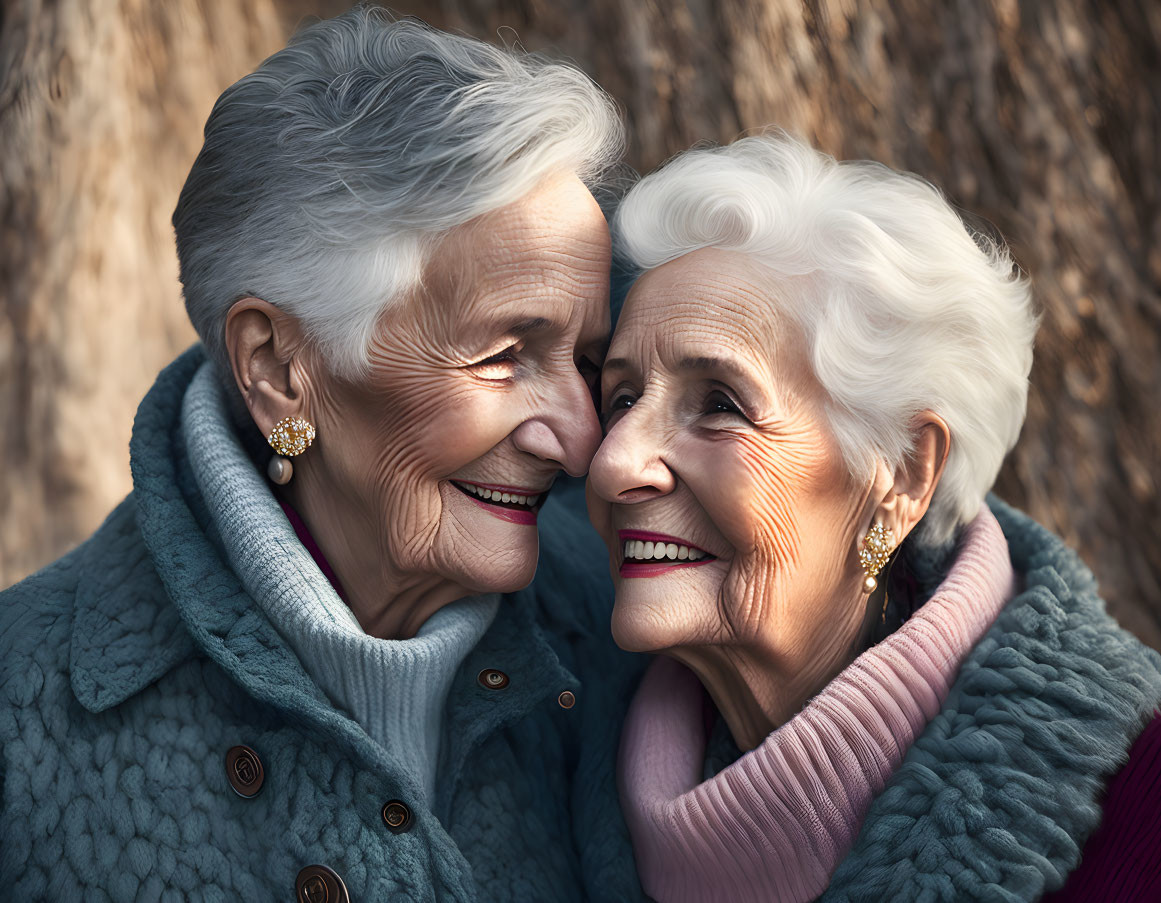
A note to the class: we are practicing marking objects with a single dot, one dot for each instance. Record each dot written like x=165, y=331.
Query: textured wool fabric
x=775, y=824
x=395, y=689
x=129, y=668
x=997, y=797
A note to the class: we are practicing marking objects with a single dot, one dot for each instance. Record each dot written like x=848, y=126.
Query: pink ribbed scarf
x=776, y=823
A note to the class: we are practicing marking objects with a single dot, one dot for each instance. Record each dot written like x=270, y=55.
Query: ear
x=909, y=497
x=263, y=345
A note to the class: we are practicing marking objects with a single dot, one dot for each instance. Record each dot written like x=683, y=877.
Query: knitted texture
x=394, y=689
x=129, y=668
x=998, y=795
x=776, y=823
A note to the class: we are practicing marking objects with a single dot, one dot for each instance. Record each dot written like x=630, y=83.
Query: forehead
x=707, y=302
x=550, y=249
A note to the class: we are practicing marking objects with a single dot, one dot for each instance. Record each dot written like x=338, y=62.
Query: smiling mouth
x=646, y=554
x=511, y=503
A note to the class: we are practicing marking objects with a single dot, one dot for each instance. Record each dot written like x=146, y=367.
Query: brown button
x=244, y=771
x=319, y=884
x=492, y=679
x=397, y=816
x=566, y=699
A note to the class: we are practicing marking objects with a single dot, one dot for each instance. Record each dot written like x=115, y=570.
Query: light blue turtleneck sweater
x=394, y=689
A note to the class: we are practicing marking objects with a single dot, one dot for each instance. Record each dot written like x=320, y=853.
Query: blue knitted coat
x=130, y=667
x=997, y=797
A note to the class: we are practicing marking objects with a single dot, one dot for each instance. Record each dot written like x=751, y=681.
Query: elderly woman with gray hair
x=300, y=673
x=810, y=390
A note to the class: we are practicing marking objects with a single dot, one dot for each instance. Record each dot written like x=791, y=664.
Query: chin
x=505, y=572
x=635, y=629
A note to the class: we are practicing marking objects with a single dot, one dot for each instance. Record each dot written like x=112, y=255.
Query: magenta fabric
x=1122, y=860
x=775, y=824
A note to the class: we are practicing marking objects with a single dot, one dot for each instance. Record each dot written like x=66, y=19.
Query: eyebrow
x=533, y=324
x=711, y=363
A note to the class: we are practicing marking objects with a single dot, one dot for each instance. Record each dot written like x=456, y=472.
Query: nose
x=628, y=467
x=564, y=429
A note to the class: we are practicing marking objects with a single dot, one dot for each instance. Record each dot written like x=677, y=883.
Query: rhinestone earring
x=878, y=545
x=291, y=436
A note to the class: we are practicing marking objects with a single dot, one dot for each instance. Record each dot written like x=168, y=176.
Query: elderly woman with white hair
x=875, y=683
x=290, y=663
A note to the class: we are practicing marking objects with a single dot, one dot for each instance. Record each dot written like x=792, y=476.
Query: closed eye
x=499, y=366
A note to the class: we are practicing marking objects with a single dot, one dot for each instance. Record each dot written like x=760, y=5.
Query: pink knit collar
x=775, y=824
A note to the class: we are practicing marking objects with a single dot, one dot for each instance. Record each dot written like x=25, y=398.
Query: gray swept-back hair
x=902, y=308
x=330, y=174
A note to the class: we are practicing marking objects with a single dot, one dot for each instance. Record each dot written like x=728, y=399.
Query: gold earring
x=878, y=545
x=291, y=436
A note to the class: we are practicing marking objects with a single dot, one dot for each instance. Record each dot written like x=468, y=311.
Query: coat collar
x=122, y=639
x=156, y=589
x=124, y=635
x=1004, y=786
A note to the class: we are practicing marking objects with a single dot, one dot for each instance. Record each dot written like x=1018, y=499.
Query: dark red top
x=1122, y=860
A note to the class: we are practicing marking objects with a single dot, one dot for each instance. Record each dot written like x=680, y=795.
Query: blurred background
x=1040, y=119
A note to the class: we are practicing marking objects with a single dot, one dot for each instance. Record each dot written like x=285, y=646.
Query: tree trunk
x=101, y=113
x=1041, y=118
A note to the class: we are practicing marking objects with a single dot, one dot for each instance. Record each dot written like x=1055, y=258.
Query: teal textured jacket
x=132, y=665
x=998, y=796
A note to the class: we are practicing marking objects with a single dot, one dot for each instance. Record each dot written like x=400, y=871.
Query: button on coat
x=244, y=771
x=491, y=679
x=397, y=816
x=319, y=884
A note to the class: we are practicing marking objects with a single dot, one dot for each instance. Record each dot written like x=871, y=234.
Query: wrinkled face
x=730, y=517
x=480, y=393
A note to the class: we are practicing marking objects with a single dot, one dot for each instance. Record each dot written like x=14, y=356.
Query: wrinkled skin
x=715, y=435
x=482, y=378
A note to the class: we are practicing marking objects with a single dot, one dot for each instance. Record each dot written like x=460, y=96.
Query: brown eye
x=622, y=401
x=720, y=403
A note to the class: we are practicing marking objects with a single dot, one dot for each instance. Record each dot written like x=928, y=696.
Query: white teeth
x=498, y=496
x=658, y=551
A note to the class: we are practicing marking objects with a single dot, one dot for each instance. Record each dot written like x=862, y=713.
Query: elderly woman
x=809, y=392
x=295, y=673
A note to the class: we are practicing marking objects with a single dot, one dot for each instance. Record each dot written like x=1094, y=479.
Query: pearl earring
x=291, y=436
x=878, y=545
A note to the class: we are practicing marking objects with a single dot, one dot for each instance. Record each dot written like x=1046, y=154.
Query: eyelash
x=725, y=401
x=507, y=356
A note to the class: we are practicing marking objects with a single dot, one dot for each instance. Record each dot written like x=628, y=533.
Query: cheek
x=763, y=485
x=440, y=424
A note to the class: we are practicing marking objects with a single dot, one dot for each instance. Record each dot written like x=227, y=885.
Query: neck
x=759, y=686
x=388, y=602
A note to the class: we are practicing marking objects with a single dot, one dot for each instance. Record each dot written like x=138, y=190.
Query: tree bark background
x=1040, y=119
